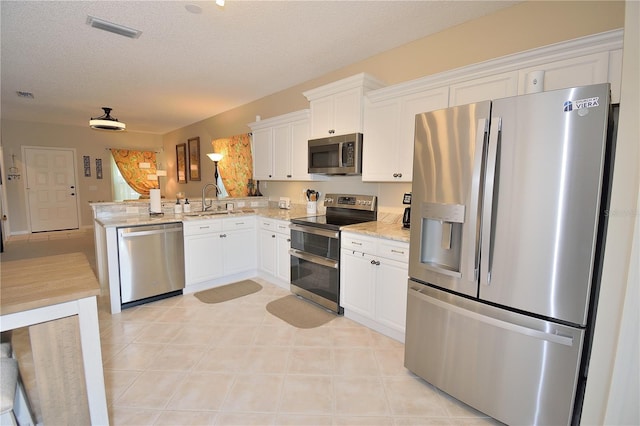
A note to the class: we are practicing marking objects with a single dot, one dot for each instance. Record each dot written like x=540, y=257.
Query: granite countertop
x=390, y=231
x=379, y=229
x=135, y=220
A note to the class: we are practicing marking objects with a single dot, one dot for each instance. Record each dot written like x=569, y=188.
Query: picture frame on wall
x=181, y=162
x=194, y=158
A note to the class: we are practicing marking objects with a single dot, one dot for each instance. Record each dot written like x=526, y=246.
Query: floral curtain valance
x=236, y=167
x=128, y=163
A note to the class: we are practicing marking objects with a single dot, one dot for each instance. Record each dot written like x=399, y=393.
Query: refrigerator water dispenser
x=441, y=245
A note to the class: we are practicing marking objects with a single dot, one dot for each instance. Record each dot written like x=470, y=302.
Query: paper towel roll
x=156, y=204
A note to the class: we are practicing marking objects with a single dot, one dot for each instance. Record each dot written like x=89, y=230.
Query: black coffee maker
x=406, y=217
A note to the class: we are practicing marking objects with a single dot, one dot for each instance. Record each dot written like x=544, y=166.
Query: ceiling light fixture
x=101, y=24
x=220, y=3
x=106, y=122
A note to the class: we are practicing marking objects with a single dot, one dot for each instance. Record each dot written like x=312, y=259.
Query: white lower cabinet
x=239, y=244
x=274, y=242
x=215, y=248
x=373, y=282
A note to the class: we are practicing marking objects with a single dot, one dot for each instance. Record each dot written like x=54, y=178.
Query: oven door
x=314, y=265
x=315, y=278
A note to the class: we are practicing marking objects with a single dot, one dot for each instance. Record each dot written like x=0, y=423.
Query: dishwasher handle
x=128, y=233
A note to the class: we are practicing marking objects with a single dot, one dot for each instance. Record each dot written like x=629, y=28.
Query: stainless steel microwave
x=336, y=155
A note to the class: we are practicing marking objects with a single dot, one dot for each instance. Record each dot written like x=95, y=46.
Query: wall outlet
x=240, y=204
x=254, y=204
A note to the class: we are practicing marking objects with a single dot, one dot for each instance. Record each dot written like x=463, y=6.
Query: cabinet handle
x=288, y=240
x=375, y=262
x=223, y=235
x=399, y=175
x=273, y=236
x=288, y=176
x=397, y=251
x=355, y=243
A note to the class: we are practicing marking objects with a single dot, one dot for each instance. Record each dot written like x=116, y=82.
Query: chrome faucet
x=206, y=206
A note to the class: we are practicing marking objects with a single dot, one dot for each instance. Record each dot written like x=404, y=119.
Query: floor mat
x=228, y=292
x=299, y=313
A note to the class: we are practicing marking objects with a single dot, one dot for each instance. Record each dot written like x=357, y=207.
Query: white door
x=51, y=189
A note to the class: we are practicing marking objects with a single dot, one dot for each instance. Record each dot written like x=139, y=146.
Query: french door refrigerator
x=507, y=231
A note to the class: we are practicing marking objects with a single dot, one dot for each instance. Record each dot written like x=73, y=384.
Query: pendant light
x=106, y=122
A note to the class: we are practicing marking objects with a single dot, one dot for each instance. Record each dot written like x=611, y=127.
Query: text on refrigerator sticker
x=581, y=103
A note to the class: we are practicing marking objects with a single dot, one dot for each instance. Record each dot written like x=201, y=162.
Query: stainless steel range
x=315, y=247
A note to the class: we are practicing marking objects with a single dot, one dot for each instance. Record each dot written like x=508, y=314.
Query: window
x=121, y=189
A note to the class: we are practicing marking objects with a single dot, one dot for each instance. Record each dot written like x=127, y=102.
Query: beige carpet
x=299, y=313
x=228, y=292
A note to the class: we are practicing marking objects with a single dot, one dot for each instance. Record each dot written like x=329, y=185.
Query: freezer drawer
x=517, y=369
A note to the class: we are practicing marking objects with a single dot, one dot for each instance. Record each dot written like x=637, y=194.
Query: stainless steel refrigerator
x=507, y=232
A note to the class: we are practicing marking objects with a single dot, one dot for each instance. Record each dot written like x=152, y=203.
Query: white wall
x=612, y=395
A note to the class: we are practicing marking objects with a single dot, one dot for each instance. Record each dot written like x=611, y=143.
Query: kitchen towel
x=156, y=204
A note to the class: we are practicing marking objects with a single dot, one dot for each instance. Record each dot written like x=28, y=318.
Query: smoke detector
x=106, y=122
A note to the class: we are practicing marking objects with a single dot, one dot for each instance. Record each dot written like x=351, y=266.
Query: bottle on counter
x=177, y=209
x=187, y=206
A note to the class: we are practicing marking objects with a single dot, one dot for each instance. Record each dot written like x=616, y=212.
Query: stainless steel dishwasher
x=151, y=260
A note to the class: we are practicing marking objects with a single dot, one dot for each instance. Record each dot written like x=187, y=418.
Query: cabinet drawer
x=394, y=250
x=350, y=242
x=243, y=222
x=267, y=224
x=282, y=227
x=197, y=227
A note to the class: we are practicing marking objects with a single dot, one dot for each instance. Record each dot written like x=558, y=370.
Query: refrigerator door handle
x=473, y=253
x=488, y=207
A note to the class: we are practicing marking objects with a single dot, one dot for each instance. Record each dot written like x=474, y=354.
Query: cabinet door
x=391, y=293
x=381, y=127
x=282, y=152
x=347, y=111
x=416, y=103
x=202, y=258
x=283, y=260
x=581, y=71
x=357, y=286
x=239, y=250
x=267, y=243
x=263, y=154
x=299, y=150
x=322, y=117
x=483, y=89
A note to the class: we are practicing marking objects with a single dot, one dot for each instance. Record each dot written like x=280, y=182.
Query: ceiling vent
x=101, y=24
x=106, y=122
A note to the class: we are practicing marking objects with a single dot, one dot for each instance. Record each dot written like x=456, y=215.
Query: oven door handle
x=316, y=231
x=314, y=259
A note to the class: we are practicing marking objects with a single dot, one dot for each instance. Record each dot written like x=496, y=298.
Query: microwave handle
x=340, y=149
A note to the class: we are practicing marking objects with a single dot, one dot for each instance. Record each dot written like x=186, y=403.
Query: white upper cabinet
x=280, y=147
x=338, y=108
x=580, y=71
x=389, y=126
x=263, y=154
x=481, y=89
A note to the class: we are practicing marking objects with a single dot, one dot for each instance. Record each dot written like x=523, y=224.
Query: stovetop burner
x=342, y=210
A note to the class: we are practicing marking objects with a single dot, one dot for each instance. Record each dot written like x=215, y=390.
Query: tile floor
x=183, y=362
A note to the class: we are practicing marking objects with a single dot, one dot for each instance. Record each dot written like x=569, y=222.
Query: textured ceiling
x=187, y=66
